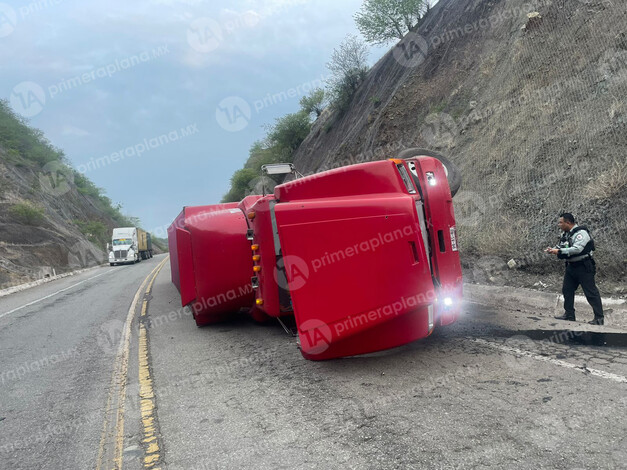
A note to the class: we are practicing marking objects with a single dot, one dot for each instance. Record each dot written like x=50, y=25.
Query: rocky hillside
x=52, y=219
x=528, y=99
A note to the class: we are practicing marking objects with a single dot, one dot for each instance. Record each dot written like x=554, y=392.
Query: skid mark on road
x=550, y=360
x=112, y=440
x=151, y=442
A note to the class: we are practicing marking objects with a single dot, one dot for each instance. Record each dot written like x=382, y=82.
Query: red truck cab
x=358, y=255
x=364, y=257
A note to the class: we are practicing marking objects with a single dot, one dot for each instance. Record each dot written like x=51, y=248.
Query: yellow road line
x=153, y=454
x=152, y=281
x=112, y=439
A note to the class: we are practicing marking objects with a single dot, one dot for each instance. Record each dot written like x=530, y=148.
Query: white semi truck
x=129, y=245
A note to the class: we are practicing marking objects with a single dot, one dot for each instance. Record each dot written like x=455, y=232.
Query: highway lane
x=58, y=345
x=477, y=394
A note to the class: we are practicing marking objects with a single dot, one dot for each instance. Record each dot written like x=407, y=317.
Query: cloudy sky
x=158, y=102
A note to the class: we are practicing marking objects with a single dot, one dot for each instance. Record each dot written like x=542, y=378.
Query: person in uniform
x=576, y=248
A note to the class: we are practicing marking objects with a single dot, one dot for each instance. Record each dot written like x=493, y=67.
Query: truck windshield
x=122, y=241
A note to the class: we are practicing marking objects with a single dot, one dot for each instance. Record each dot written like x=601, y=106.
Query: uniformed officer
x=576, y=248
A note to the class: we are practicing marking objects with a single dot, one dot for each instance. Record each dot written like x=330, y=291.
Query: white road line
x=52, y=295
x=557, y=362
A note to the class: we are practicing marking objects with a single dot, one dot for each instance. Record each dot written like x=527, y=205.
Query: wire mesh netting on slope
x=528, y=99
x=554, y=138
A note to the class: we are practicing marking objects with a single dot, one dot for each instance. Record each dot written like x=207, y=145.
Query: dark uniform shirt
x=579, y=242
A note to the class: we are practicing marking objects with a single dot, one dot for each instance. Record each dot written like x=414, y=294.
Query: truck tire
x=453, y=175
x=111, y=264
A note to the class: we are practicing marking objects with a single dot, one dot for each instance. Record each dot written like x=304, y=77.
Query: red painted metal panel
x=354, y=180
x=355, y=265
x=186, y=266
x=268, y=276
x=445, y=256
x=222, y=263
x=212, y=261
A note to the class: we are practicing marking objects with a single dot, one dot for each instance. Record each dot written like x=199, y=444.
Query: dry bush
x=610, y=183
x=500, y=237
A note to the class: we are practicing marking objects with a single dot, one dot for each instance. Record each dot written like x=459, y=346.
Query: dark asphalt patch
x=586, y=338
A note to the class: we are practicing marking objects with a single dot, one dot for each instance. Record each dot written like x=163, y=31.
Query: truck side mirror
x=108, y=247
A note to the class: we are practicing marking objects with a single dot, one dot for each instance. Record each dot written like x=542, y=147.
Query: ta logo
x=204, y=35
x=28, y=99
x=56, y=178
x=315, y=336
x=261, y=185
x=8, y=20
x=469, y=208
x=439, y=130
x=110, y=335
x=412, y=51
x=233, y=114
x=291, y=273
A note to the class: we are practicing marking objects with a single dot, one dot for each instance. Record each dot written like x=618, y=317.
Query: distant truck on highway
x=129, y=245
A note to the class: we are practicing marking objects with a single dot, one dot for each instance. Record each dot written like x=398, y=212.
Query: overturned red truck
x=364, y=257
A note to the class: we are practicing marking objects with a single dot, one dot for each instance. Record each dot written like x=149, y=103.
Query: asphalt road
x=57, y=357
x=478, y=394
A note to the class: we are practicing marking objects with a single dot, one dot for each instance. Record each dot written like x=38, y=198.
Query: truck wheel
x=453, y=175
x=111, y=264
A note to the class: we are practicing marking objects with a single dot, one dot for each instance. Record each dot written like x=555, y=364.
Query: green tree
x=240, y=183
x=314, y=102
x=289, y=131
x=279, y=145
x=381, y=21
x=348, y=67
x=261, y=153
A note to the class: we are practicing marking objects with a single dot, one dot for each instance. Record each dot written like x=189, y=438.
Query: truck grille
x=120, y=254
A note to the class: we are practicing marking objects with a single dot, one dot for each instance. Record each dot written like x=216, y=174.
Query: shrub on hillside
x=289, y=131
x=95, y=231
x=24, y=143
x=27, y=213
x=348, y=69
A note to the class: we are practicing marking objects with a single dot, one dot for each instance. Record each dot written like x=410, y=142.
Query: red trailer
x=364, y=257
x=210, y=261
